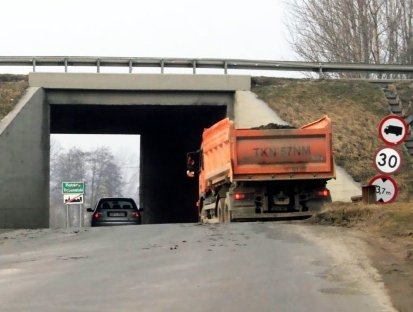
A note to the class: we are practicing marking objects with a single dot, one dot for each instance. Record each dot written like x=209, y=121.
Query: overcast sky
x=153, y=28
x=132, y=28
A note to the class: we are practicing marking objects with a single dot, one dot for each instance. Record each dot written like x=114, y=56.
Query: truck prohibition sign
x=393, y=130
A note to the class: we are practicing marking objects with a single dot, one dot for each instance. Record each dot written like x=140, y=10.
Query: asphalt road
x=188, y=267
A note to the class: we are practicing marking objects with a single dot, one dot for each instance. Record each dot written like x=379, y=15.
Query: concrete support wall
x=24, y=163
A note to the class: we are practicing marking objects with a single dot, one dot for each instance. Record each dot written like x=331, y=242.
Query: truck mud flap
x=242, y=216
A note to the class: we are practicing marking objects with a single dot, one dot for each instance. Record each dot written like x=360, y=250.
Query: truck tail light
x=323, y=193
x=239, y=196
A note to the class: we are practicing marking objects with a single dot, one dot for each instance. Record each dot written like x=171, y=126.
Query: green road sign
x=73, y=187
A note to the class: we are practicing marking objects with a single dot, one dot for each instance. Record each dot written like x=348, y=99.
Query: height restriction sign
x=393, y=130
x=386, y=188
x=388, y=160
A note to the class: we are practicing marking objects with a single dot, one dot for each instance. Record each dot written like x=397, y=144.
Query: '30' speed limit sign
x=388, y=160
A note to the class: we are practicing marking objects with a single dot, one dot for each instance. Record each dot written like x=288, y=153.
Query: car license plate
x=117, y=214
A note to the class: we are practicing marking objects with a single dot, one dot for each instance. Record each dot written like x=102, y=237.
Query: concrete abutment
x=24, y=163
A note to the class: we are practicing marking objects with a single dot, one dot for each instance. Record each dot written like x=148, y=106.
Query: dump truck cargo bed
x=268, y=154
x=261, y=174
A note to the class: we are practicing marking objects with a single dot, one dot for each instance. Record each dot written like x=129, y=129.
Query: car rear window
x=116, y=204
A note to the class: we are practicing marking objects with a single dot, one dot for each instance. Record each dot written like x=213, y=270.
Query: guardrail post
x=98, y=66
x=194, y=67
x=65, y=65
x=130, y=66
x=162, y=66
x=320, y=71
x=225, y=67
x=34, y=64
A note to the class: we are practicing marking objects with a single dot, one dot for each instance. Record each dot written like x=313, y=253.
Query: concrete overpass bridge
x=168, y=111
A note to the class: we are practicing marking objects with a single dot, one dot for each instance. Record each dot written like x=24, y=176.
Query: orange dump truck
x=254, y=174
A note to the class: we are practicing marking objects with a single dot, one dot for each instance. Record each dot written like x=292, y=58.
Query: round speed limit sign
x=388, y=160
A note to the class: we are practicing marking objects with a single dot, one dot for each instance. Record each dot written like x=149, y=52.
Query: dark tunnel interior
x=167, y=132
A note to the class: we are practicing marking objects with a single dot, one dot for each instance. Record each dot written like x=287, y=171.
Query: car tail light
x=136, y=215
x=239, y=196
x=97, y=215
x=323, y=193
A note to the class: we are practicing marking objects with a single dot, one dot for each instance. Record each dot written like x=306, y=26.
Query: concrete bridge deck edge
x=175, y=82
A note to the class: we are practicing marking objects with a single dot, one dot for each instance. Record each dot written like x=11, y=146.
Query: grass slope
x=12, y=87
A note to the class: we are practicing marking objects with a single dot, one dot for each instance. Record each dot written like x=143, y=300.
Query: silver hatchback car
x=115, y=211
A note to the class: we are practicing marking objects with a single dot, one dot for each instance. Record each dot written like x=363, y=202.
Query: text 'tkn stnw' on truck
x=254, y=174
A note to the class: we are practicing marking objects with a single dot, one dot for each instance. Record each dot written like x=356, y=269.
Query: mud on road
x=256, y=266
x=252, y=266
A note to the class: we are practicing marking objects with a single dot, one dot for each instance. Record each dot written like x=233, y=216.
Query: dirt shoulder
x=388, y=231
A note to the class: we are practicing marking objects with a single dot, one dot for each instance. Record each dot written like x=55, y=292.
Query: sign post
x=392, y=131
x=67, y=216
x=73, y=194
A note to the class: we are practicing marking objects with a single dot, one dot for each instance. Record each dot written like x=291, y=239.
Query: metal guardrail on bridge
x=199, y=63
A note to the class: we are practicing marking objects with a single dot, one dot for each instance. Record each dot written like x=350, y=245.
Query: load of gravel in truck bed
x=273, y=126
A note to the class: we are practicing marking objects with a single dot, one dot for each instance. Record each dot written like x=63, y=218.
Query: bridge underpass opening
x=101, y=161
x=167, y=133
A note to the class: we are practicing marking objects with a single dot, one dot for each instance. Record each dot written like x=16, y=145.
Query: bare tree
x=104, y=174
x=355, y=31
